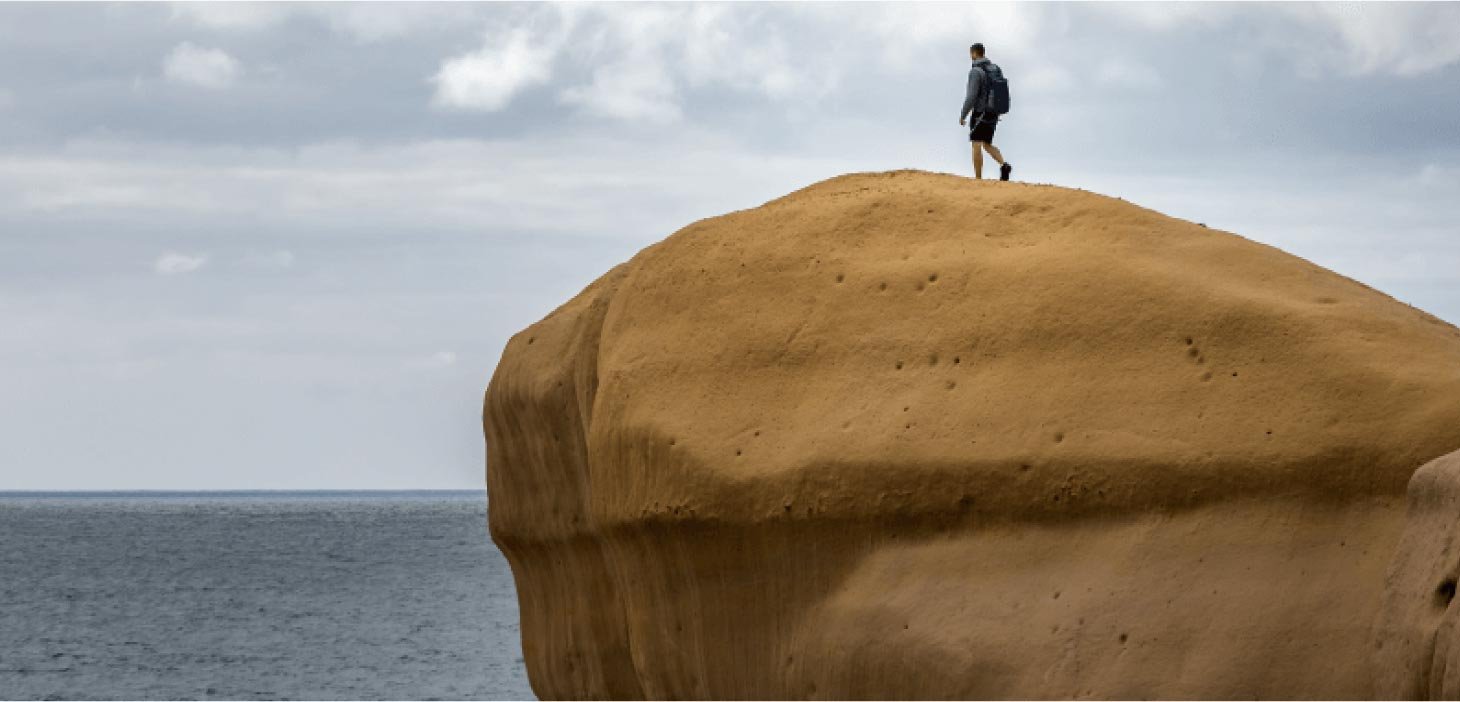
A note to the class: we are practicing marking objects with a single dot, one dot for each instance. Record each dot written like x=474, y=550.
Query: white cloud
x=363, y=22
x=487, y=79
x=195, y=65
x=1400, y=38
x=1169, y=16
x=367, y=22
x=709, y=35
x=634, y=89
x=173, y=263
x=636, y=63
x=1354, y=38
x=231, y=15
x=560, y=182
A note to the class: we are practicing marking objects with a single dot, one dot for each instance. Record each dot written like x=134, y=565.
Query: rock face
x=1417, y=635
x=903, y=435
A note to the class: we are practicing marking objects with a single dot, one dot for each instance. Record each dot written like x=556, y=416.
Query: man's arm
x=975, y=78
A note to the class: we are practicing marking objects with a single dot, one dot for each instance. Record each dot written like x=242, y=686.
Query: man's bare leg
x=995, y=153
x=977, y=160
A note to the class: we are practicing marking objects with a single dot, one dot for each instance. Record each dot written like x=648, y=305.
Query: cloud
x=1403, y=39
x=205, y=68
x=634, y=89
x=1125, y=73
x=639, y=63
x=561, y=183
x=173, y=263
x=1353, y=38
x=231, y=15
x=363, y=22
x=367, y=22
x=487, y=79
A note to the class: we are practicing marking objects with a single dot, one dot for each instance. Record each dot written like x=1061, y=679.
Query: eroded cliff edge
x=910, y=435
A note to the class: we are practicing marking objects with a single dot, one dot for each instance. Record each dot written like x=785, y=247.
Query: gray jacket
x=976, y=78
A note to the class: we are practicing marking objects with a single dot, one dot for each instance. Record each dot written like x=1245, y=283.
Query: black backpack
x=994, y=90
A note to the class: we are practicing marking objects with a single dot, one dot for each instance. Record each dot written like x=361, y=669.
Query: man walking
x=976, y=102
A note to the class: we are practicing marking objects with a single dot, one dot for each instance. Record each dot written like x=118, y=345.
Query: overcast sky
x=282, y=246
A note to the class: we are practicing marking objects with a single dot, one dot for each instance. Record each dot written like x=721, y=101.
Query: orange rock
x=912, y=435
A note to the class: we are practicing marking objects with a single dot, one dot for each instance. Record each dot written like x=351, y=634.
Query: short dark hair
x=977, y=49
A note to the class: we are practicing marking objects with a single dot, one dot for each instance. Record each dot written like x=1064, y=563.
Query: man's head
x=975, y=52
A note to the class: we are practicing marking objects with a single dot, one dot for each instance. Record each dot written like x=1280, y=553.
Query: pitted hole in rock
x=921, y=286
x=1189, y=341
x=1192, y=352
x=952, y=384
x=899, y=365
x=882, y=287
x=840, y=277
x=1445, y=593
x=933, y=359
x=737, y=452
x=957, y=360
x=1124, y=637
x=1059, y=436
x=933, y=278
x=531, y=339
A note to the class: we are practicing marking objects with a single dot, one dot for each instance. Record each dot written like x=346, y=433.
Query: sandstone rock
x=1416, y=655
x=901, y=435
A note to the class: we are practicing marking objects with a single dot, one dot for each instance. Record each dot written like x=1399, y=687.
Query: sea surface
x=318, y=595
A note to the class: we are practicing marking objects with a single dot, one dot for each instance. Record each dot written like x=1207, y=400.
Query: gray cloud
x=299, y=271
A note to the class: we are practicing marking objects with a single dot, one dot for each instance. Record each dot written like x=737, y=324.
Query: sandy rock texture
x=1417, y=634
x=909, y=435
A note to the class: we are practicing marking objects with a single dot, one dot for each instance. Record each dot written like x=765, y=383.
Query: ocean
x=259, y=595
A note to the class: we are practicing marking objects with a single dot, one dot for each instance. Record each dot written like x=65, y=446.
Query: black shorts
x=983, y=127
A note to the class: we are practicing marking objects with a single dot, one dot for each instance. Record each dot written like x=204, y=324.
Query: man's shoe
x=1005, y=170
